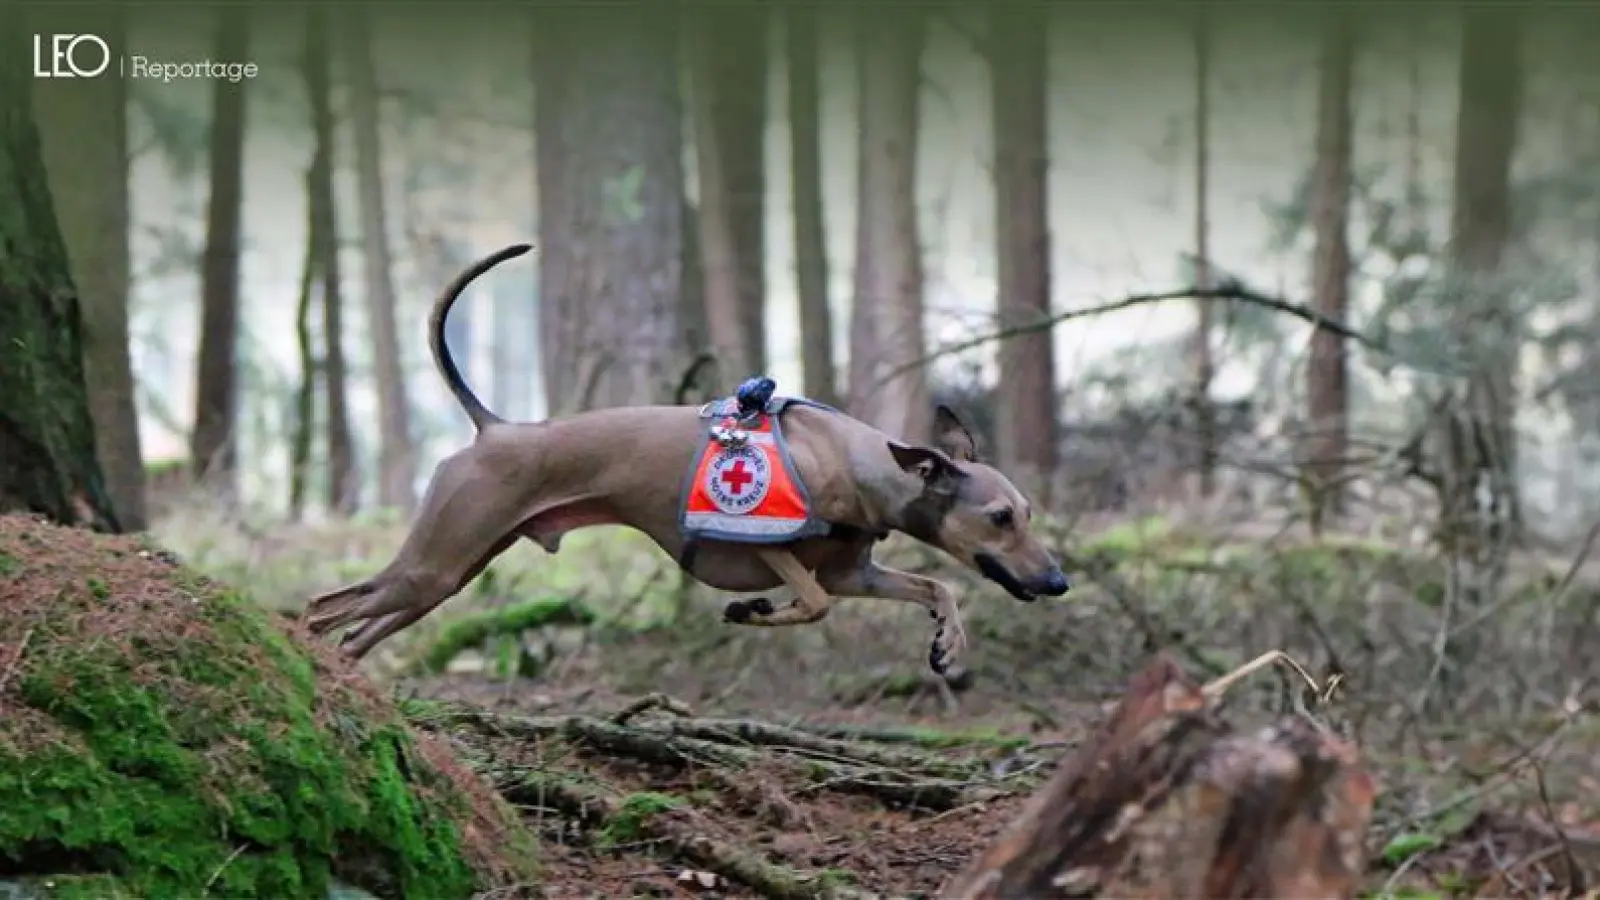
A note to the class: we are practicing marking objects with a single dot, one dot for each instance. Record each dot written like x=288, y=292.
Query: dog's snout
x=1054, y=583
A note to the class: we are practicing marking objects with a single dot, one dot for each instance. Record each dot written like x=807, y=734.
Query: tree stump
x=1168, y=801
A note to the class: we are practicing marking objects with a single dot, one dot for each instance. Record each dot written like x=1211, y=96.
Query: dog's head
x=972, y=512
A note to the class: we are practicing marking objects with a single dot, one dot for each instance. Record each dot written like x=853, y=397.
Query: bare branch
x=1226, y=291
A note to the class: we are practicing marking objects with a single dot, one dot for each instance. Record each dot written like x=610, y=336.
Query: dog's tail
x=476, y=411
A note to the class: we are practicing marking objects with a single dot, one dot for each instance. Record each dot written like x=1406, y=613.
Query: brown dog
x=626, y=466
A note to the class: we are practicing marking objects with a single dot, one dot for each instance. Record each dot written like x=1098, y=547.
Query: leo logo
x=738, y=479
x=70, y=56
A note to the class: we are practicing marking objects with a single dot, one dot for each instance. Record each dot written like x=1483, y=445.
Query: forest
x=1268, y=328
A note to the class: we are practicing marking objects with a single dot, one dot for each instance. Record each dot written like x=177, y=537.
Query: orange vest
x=747, y=491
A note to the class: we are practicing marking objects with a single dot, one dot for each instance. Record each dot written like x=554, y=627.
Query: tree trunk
x=810, y=242
x=1479, y=518
x=729, y=92
x=1416, y=205
x=692, y=310
x=1327, y=378
x=1486, y=134
x=719, y=250
x=343, y=485
x=212, y=449
x=83, y=128
x=886, y=319
x=48, y=462
x=1167, y=801
x=305, y=398
x=396, y=465
x=561, y=325
x=1027, y=423
x=516, y=331
x=1204, y=364
x=610, y=131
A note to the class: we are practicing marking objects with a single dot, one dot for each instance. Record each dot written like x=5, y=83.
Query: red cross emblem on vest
x=738, y=478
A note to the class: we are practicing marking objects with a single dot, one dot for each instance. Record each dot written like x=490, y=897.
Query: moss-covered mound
x=161, y=737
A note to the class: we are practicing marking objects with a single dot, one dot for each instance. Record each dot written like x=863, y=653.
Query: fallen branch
x=1169, y=801
x=923, y=738
x=669, y=826
x=762, y=734
x=897, y=777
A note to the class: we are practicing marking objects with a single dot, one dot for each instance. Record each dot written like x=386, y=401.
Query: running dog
x=747, y=494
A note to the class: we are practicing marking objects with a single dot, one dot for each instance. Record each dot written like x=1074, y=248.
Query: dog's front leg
x=873, y=580
x=811, y=604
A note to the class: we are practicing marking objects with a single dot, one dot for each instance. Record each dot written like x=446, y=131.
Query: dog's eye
x=1003, y=518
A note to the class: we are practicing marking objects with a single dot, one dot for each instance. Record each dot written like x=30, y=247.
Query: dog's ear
x=924, y=462
x=951, y=436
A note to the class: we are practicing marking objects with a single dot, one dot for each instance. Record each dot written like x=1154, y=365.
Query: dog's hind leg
x=873, y=580
x=466, y=520
x=811, y=604
x=359, y=641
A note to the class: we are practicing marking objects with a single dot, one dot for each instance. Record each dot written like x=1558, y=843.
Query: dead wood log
x=1168, y=801
x=669, y=743
x=763, y=734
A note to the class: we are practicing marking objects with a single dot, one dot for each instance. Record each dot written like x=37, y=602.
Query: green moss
x=474, y=630
x=627, y=824
x=828, y=879
x=8, y=565
x=177, y=741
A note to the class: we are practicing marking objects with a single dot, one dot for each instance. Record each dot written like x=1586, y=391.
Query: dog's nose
x=1055, y=582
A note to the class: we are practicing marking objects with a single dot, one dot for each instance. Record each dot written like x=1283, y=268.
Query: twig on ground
x=652, y=701
x=223, y=867
x=726, y=859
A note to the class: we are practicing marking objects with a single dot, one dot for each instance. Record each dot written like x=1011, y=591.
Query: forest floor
x=785, y=808
x=773, y=762
x=892, y=797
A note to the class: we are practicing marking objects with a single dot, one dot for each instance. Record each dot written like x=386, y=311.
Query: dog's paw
x=940, y=654
x=948, y=643
x=740, y=612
